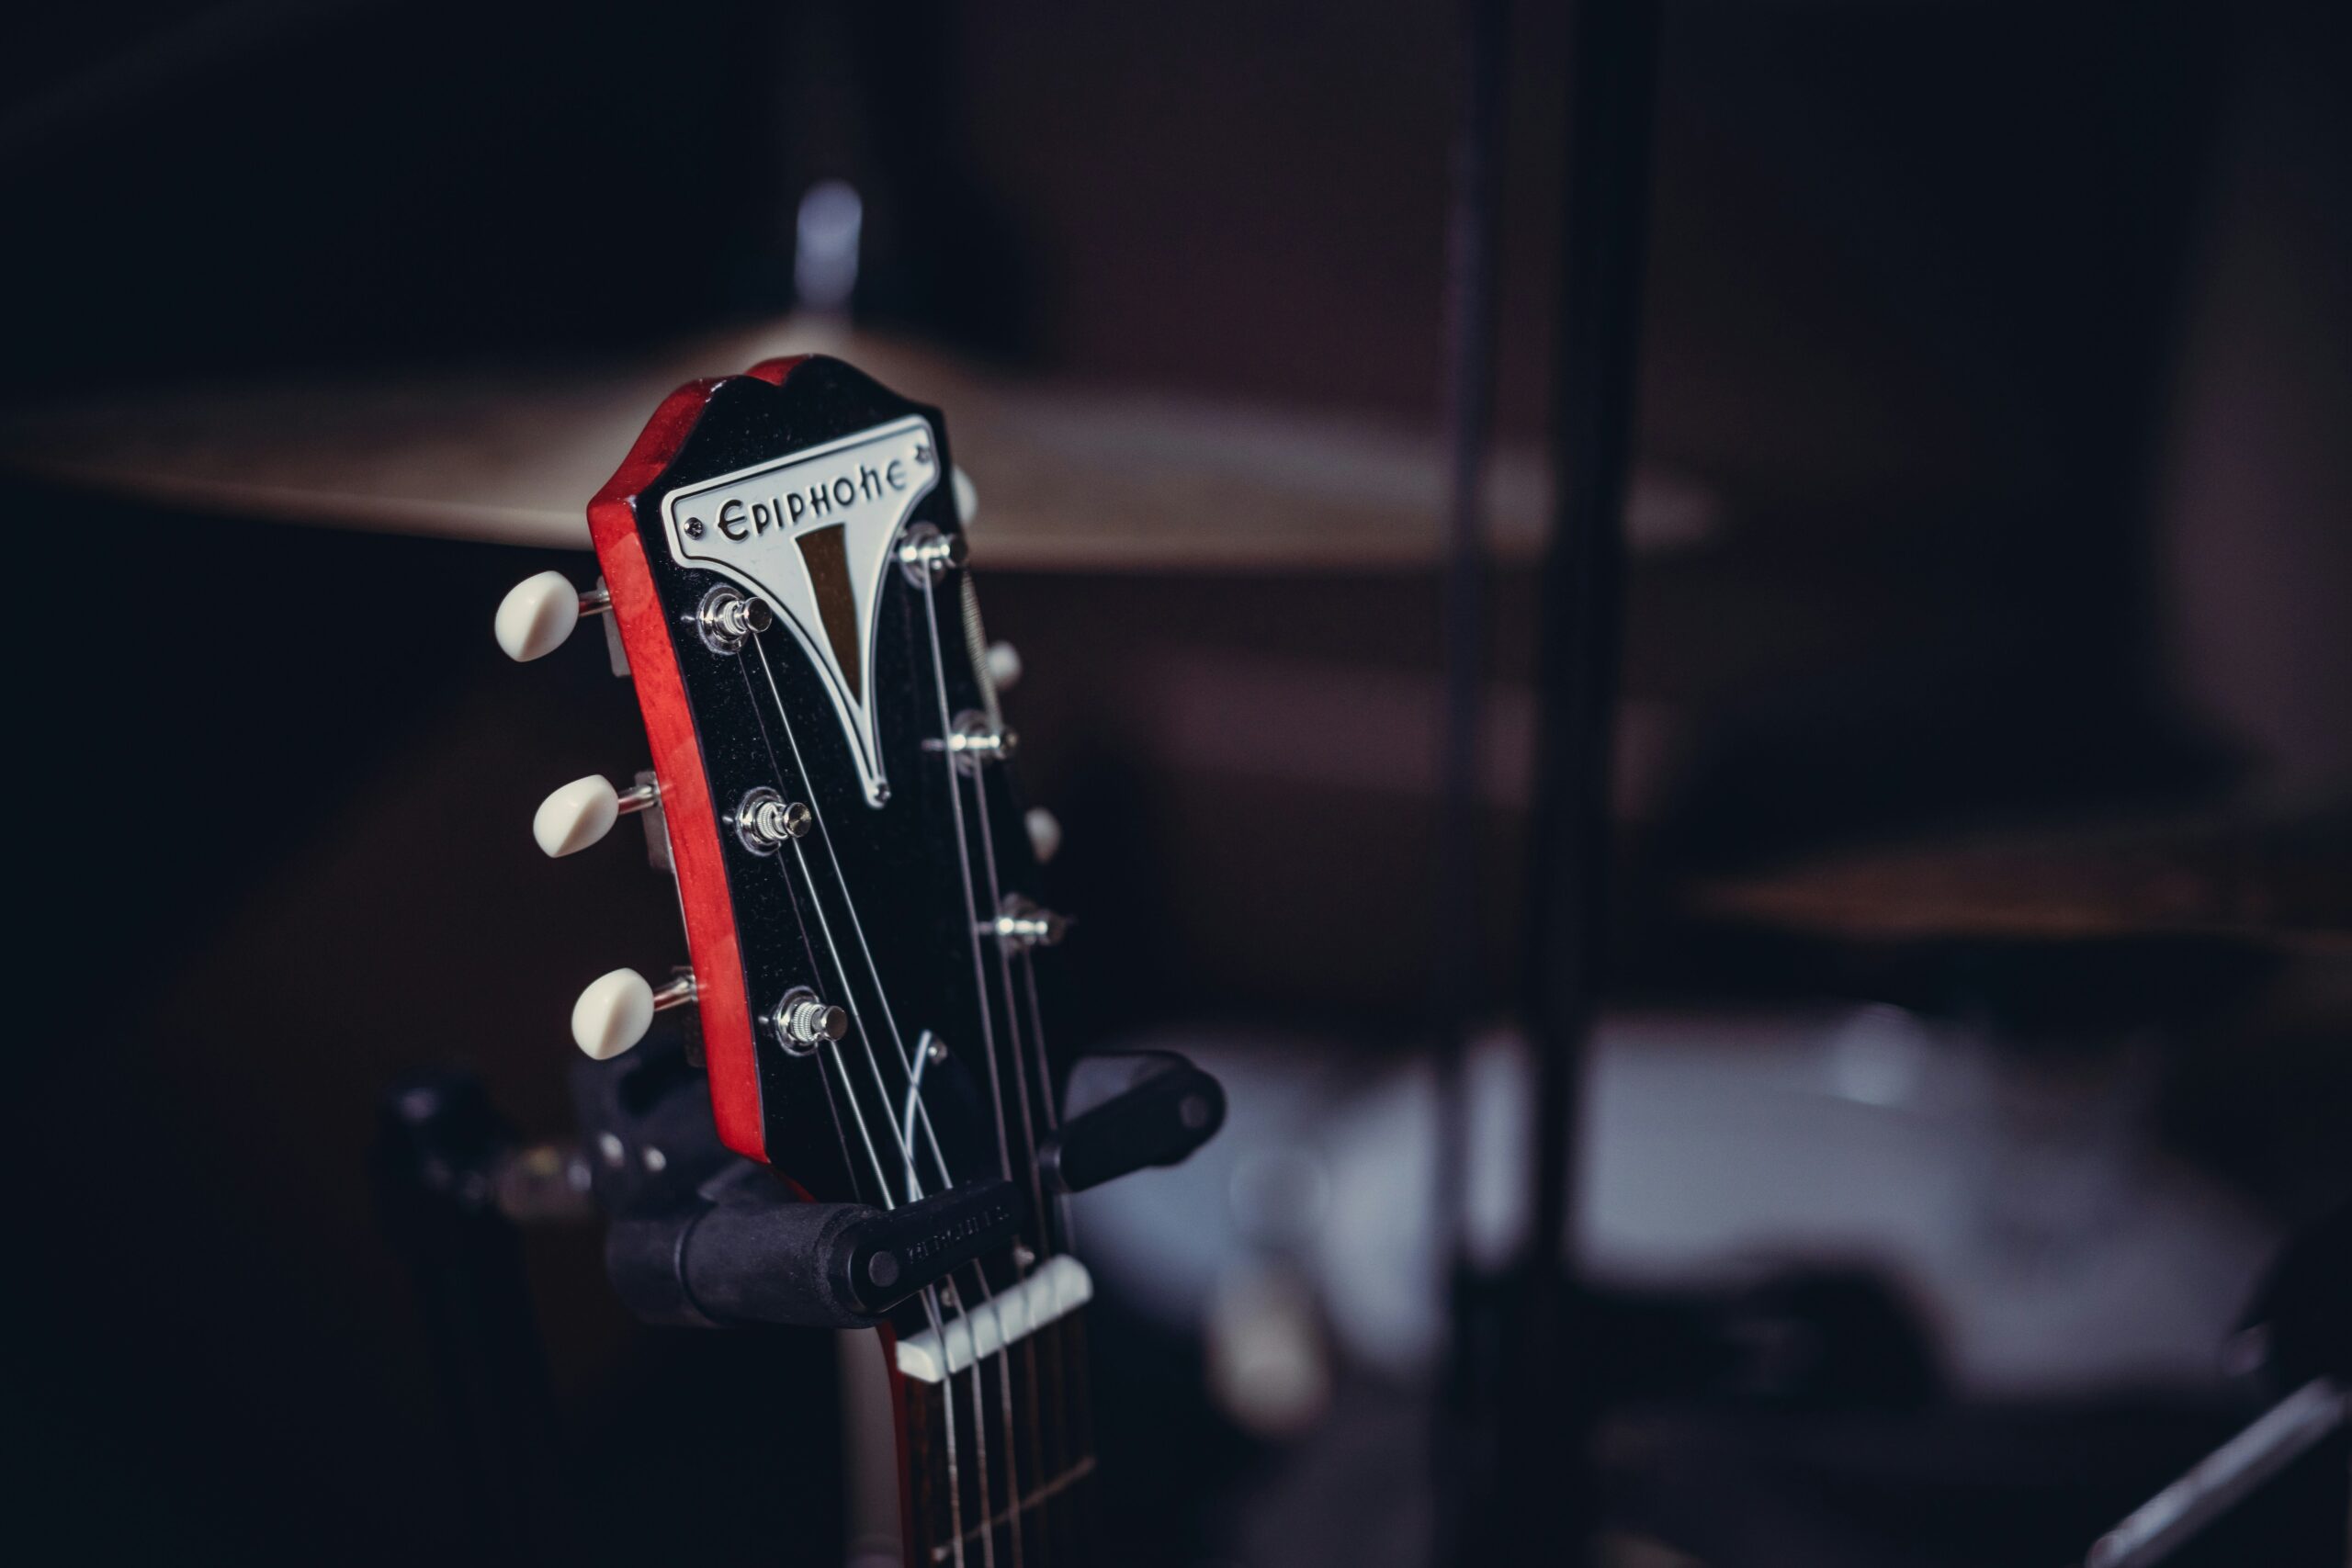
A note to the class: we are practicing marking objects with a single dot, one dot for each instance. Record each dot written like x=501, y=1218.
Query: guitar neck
x=998, y=1457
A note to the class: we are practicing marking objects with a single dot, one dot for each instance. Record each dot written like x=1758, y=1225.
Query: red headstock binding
x=691, y=825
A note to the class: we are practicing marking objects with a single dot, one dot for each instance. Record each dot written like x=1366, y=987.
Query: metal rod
x=2159, y=1527
x=1551, y=1402
x=1471, y=240
x=439, y=1147
x=1465, y=1434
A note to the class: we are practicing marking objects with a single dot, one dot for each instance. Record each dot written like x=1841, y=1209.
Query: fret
x=1036, y=1498
x=1049, y=1444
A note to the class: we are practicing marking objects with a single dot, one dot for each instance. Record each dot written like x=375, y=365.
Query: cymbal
x=2283, y=882
x=1070, y=477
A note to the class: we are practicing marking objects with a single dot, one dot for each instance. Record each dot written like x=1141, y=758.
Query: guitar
x=783, y=559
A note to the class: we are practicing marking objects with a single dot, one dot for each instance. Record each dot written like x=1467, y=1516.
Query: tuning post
x=806, y=1021
x=971, y=740
x=1021, y=925
x=765, y=821
x=616, y=1010
x=727, y=619
x=584, y=810
x=540, y=612
x=927, y=555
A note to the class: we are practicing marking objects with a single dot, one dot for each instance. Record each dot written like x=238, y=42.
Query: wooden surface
x=2287, y=882
x=1070, y=478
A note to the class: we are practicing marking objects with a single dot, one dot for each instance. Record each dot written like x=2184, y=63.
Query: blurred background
x=1980, y=984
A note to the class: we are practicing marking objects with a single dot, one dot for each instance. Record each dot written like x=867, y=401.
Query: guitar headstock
x=783, y=555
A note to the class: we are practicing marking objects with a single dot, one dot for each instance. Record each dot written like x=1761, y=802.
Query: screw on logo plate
x=694, y=527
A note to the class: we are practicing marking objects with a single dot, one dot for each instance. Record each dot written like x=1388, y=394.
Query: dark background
x=2014, y=339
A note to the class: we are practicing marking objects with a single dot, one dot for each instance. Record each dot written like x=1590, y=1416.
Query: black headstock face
x=784, y=554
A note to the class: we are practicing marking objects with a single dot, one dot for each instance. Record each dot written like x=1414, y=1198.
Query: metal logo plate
x=813, y=535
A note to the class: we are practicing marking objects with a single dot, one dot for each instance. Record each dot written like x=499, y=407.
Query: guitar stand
x=698, y=1237
x=701, y=1237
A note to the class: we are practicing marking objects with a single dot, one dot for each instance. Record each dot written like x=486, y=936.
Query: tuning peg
x=967, y=499
x=584, y=810
x=1044, y=833
x=1003, y=662
x=539, y=612
x=616, y=1010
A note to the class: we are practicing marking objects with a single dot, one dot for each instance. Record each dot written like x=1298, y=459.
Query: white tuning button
x=1044, y=833
x=1003, y=662
x=584, y=811
x=616, y=1010
x=967, y=499
x=539, y=612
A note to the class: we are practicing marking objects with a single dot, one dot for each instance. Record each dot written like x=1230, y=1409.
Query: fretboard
x=1011, y=1430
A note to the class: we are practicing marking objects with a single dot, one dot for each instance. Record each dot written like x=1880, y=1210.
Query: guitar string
x=1038, y=1041
x=832, y=948
x=925, y=1043
x=1028, y=967
x=1012, y=1013
x=1004, y=960
x=979, y=977
x=979, y=920
x=918, y=1111
x=849, y=1091
x=980, y=995
x=1063, y=1217
x=907, y=1067
x=905, y=1153
x=1051, y=1346
x=947, y=1181
x=930, y=1297
x=947, y=1408
x=976, y=644
x=971, y=922
x=800, y=924
x=975, y=648
x=913, y=1183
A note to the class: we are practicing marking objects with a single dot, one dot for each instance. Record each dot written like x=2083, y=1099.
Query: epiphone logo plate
x=812, y=533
